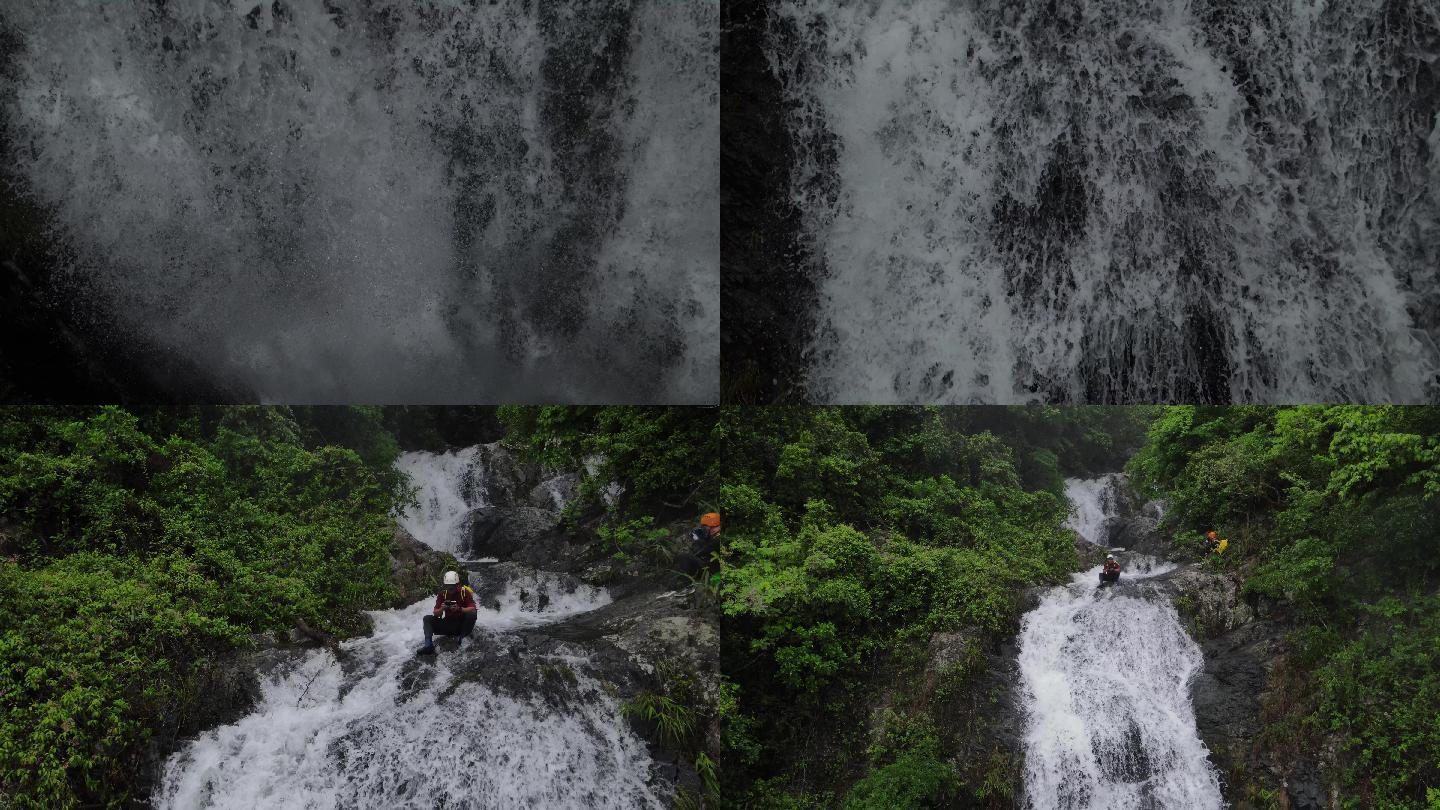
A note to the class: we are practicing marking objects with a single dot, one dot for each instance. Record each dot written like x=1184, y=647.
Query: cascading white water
x=1093, y=501
x=1105, y=679
x=370, y=199
x=381, y=728
x=448, y=487
x=1118, y=200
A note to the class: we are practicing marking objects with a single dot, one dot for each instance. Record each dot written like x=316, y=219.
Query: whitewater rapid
x=381, y=201
x=379, y=727
x=449, y=486
x=1105, y=679
x=1117, y=200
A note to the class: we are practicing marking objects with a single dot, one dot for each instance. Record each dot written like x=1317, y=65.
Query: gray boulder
x=555, y=493
x=522, y=533
x=507, y=480
x=415, y=568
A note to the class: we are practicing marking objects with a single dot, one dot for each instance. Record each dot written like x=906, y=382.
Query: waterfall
x=1105, y=677
x=448, y=487
x=1118, y=200
x=478, y=726
x=378, y=200
x=1093, y=501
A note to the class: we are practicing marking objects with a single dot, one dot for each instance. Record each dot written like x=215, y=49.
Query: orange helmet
x=711, y=519
x=1210, y=535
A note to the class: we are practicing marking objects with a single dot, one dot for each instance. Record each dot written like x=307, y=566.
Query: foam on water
x=1117, y=200
x=378, y=200
x=1092, y=502
x=449, y=486
x=375, y=731
x=1105, y=679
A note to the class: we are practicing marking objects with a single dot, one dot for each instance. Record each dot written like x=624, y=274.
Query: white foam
x=370, y=204
x=1204, y=202
x=376, y=732
x=1092, y=502
x=1109, y=722
x=449, y=487
x=1105, y=677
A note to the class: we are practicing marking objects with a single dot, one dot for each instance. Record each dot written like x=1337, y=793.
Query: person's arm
x=439, y=605
x=467, y=602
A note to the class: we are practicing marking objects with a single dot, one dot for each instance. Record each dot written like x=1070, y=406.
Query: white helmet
x=1107, y=556
x=452, y=578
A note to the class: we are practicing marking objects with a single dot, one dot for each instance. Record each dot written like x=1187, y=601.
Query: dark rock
x=554, y=493
x=657, y=628
x=507, y=480
x=1227, y=691
x=1139, y=533
x=415, y=568
x=1210, y=600
x=1304, y=787
x=521, y=533
x=768, y=273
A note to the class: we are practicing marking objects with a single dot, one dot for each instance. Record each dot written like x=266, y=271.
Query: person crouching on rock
x=1110, y=572
x=453, y=615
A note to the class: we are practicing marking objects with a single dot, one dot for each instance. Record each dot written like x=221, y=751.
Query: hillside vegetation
x=857, y=540
x=1333, y=513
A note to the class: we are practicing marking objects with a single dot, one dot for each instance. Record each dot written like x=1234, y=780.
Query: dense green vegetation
x=1334, y=515
x=856, y=537
x=140, y=548
x=667, y=459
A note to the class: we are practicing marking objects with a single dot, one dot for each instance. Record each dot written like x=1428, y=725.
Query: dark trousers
x=1108, y=577
x=454, y=625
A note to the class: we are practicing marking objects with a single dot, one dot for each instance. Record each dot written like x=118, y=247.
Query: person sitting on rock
x=1214, y=544
x=453, y=614
x=1110, y=572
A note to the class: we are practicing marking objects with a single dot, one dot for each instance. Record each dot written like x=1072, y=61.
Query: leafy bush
x=666, y=458
x=144, y=546
x=1334, y=512
x=1379, y=693
x=852, y=536
x=906, y=769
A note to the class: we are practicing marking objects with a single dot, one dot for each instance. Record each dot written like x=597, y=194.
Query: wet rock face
x=415, y=568
x=514, y=532
x=1227, y=692
x=1210, y=600
x=658, y=628
x=632, y=645
x=969, y=687
x=508, y=480
x=555, y=493
x=1140, y=532
x=1242, y=646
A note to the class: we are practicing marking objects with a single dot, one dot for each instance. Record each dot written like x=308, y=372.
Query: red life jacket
x=1112, y=566
x=463, y=597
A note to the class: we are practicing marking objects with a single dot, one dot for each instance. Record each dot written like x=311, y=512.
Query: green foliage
x=145, y=545
x=673, y=721
x=853, y=535
x=664, y=457
x=1333, y=512
x=637, y=537
x=907, y=770
x=1379, y=693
